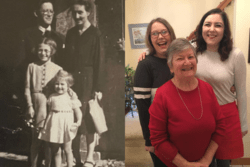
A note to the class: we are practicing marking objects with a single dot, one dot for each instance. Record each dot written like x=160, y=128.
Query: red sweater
x=173, y=129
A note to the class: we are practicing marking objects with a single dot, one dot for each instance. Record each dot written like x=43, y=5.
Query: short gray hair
x=177, y=46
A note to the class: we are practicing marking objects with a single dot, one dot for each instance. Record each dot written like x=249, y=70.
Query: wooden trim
x=241, y=161
x=191, y=36
x=224, y=4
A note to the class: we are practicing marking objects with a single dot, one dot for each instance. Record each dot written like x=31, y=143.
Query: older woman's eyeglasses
x=155, y=34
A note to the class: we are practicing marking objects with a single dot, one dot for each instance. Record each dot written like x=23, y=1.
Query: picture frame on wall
x=137, y=34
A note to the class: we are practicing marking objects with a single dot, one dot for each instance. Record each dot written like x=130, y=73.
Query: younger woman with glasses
x=151, y=73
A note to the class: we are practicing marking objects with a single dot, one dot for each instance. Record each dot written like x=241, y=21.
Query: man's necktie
x=47, y=34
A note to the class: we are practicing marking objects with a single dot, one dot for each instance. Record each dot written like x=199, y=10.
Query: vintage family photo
x=61, y=85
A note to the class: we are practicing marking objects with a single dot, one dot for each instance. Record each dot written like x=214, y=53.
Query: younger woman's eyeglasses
x=155, y=34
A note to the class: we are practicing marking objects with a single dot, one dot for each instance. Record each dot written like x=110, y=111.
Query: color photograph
x=169, y=119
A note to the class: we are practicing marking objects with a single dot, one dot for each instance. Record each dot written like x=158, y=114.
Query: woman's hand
x=195, y=164
x=209, y=154
x=150, y=149
x=182, y=162
x=74, y=126
x=56, y=111
x=244, y=133
x=142, y=56
x=39, y=129
x=205, y=161
x=31, y=112
x=72, y=94
x=233, y=89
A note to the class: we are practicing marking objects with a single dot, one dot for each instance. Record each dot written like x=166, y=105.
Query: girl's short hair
x=148, y=33
x=47, y=41
x=65, y=76
x=177, y=46
x=226, y=43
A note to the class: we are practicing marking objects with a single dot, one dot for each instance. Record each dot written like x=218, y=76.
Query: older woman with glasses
x=151, y=73
x=186, y=125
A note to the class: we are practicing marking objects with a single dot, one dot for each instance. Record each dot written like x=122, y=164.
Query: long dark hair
x=86, y=3
x=226, y=43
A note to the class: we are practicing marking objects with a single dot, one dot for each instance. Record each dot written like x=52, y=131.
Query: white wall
x=241, y=40
x=183, y=15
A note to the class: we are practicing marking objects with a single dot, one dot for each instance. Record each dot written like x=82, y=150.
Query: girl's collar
x=43, y=63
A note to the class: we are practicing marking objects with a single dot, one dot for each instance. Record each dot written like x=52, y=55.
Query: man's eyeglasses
x=156, y=34
x=48, y=12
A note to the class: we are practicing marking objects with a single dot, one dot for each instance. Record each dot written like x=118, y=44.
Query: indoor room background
x=184, y=16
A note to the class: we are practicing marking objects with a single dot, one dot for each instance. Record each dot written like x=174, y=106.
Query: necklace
x=186, y=105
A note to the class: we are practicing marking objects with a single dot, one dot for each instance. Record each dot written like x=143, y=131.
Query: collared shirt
x=37, y=77
x=44, y=29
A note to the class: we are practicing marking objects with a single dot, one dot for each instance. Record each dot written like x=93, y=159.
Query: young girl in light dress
x=38, y=76
x=60, y=128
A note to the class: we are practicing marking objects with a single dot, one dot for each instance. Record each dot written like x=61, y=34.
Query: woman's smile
x=212, y=31
x=184, y=64
x=187, y=69
x=161, y=40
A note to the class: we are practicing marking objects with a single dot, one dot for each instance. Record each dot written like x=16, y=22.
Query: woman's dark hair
x=226, y=43
x=86, y=3
x=148, y=33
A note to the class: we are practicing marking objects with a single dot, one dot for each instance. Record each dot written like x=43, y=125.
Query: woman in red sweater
x=186, y=125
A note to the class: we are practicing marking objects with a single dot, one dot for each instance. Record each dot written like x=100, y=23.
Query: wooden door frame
x=241, y=161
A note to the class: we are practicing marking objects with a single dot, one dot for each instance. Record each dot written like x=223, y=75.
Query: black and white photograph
x=62, y=83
